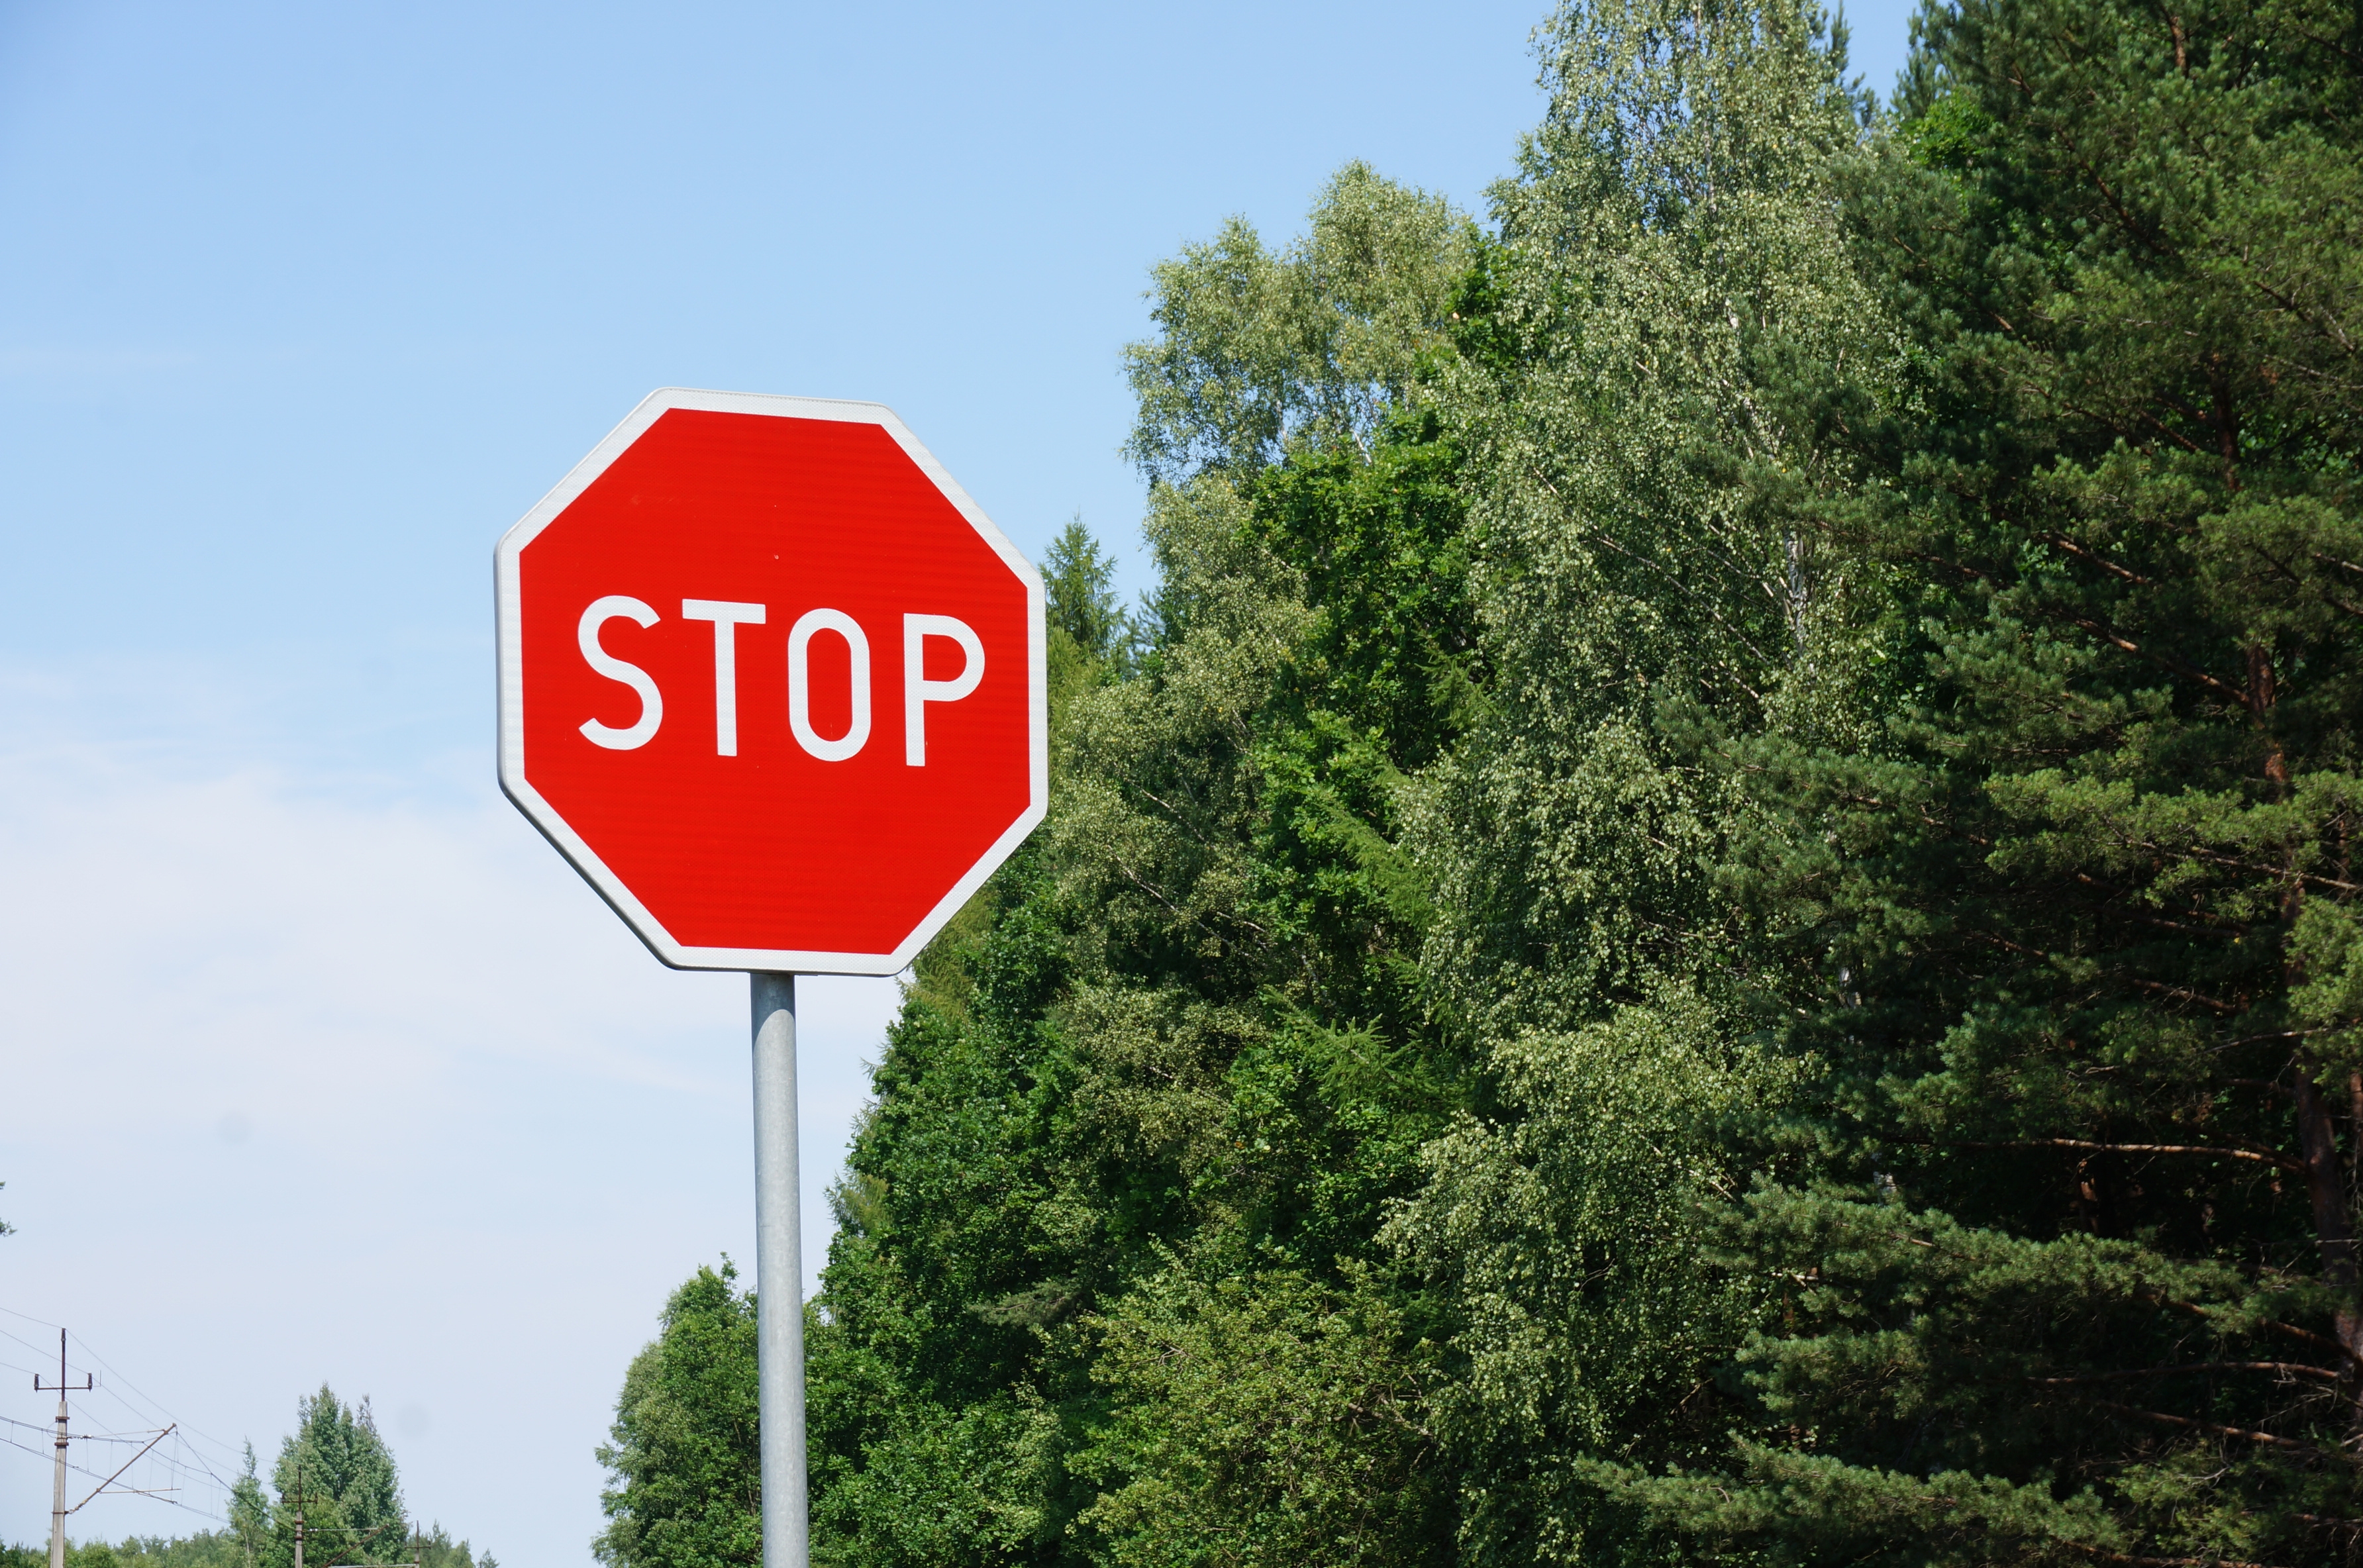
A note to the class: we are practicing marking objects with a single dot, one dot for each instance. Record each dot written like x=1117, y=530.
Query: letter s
x=586, y=638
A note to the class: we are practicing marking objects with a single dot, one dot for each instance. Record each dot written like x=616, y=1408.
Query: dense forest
x=1711, y=915
x=335, y=1476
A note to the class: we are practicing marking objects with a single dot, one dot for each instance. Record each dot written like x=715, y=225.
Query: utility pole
x=58, y=1488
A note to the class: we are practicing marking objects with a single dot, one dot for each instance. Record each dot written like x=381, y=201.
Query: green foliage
x=1257, y=351
x=1567, y=1227
x=204, y=1549
x=1261, y=1419
x=1174, y=1057
x=1091, y=639
x=2003, y=878
x=228, y=1549
x=2081, y=952
x=1650, y=354
x=1709, y=915
x=1379, y=546
x=335, y=1480
x=335, y=1477
x=1079, y=579
x=685, y=1475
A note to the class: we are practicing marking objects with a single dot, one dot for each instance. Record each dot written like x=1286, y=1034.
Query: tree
x=227, y=1549
x=1174, y=1044
x=685, y=1470
x=1647, y=338
x=1257, y=352
x=1947, y=1170
x=334, y=1473
x=1269, y=1418
x=336, y=1477
x=1079, y=578
x=2080, y=912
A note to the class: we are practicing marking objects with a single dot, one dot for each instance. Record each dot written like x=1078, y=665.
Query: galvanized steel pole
x=779, y=1274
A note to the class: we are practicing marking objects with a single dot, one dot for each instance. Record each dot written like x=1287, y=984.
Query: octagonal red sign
x=773, y=682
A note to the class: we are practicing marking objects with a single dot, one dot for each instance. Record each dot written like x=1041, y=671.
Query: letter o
x=857, y=733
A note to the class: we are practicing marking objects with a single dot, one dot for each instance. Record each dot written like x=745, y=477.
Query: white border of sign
x=553, y=827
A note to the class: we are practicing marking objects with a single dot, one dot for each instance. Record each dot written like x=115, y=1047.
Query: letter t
x=726, y=618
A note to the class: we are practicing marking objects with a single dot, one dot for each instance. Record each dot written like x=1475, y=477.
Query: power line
x=23, y=1341
x=83, y=1437
x=172, y=1461
x=155, y=1411
x=179, y=1465
x=35, y=1453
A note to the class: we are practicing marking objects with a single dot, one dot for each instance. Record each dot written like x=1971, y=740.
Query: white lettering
x=586, y=638
x=918, y=691
x=800, y=684
x=727, y=618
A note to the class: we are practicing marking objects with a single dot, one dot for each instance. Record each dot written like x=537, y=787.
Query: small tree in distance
x=1079, y=581
x=335, y=1470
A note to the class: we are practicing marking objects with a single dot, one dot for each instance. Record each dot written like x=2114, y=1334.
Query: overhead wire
x=51, y=1458
x=40, y=1350
x=81, y=1436
x=178, y=1474
x=155, y=1408
x=186, y=1465
x=114, y=1385
x=155, y=1411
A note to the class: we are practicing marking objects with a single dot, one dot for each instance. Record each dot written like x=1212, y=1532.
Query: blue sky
x=321, y=1065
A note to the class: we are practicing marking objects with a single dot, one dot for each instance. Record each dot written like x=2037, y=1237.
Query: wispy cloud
x=312, y=1078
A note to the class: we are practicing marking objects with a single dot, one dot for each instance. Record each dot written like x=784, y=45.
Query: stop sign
x=773, y=682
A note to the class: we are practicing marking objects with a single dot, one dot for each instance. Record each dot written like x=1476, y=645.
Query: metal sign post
x=779, y=1274
x=777, y=687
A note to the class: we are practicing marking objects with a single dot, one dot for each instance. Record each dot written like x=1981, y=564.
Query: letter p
x=918, y=691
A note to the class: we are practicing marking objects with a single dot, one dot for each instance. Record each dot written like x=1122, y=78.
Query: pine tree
x=2082, y=914
x=336, y=1473
x=1979, y=1195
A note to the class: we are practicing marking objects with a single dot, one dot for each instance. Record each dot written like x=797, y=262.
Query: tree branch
x=2062, y=541
x=2261, y=1156
x=2162, y=1562
x=2264, y=1438
x=2304, y=1336
x=2164, y=661
x=2304, y=1368
x=2222, y=1009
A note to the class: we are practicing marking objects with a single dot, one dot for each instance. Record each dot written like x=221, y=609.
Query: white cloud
x=310, y=1083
